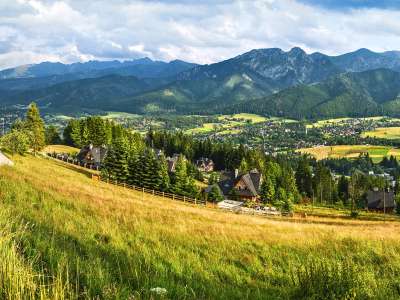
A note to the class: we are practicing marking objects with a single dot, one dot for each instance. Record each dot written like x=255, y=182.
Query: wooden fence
x=157, y=193
x=65, y=158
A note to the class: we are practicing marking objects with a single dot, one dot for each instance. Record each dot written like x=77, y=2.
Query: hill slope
x=71, y=236
x=352, y=94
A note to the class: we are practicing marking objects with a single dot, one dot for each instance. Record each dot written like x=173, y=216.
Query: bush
x=15, y=142
x=354, y=214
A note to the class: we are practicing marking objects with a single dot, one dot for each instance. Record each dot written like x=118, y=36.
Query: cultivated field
x=351, y=151
x=384, y=133
x=70, y=237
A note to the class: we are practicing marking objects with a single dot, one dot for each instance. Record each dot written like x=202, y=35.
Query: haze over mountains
x=270, y=81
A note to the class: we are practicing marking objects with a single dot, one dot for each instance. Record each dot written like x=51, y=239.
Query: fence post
x=184, y=198
x=173, y=196
x=163, y=194
x=142, y=193
x=195, y=202
x=124, y=185
x=153, y=192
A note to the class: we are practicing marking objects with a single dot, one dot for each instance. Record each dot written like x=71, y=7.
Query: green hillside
x=353, y=94
x=72, y=237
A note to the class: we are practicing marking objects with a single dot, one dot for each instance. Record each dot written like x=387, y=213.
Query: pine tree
x=180, y=176
x=108, y=169
x=267, y=190
x=35, y=126
x=162, y=174
x=304, y=178
x=52, y=135
x=121, y=161
x=215, y=194
x=133, y=167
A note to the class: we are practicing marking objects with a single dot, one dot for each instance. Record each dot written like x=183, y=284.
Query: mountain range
x=269, y=81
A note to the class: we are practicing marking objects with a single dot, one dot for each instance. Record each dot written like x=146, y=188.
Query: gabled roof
x=252, y=180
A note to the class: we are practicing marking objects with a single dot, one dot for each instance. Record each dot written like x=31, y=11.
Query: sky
x=32, y=31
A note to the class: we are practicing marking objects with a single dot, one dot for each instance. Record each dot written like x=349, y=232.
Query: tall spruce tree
x=163, y=179
x=304, y=178
x=267, y=191
x=180, y=176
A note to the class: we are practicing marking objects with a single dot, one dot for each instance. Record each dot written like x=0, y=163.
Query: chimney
x=236, y=173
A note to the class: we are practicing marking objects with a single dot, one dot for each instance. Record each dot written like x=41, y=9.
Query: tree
x=115, y=165
x=15, y=142
x=215, y=194
x=234, y=195
x=52, y=135
x=180, y=176
x=343, y=189
x=35, y=126
x=304, y=178
x=267, y=190
x=397, y=200
x=162, y=174
x=287, y=205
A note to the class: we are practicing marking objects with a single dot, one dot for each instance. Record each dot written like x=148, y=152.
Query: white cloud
x=198, y=31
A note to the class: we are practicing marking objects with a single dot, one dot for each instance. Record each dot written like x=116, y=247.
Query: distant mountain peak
x=297, y=51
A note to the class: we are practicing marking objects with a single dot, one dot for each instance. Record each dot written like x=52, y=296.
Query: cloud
x=199, y=31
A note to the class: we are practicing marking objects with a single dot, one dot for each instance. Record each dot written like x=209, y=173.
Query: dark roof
x=251, y=189
x=252, y=181
x=226, y=185
x=375, y=200
x=97, y=153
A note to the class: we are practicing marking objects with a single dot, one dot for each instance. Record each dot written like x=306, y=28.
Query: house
x=5, y=161
x=381, y=201
x=92, y=155
x=247, y=186
x=205, y=164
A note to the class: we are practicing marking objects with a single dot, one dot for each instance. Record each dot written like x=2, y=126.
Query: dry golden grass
x=194, y=252
x=111, y=201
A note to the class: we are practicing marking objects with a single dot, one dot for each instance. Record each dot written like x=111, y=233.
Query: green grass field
x=338, y=121
x=227, y=123
x=69, y=237
x=351, y=151
x=384, y=133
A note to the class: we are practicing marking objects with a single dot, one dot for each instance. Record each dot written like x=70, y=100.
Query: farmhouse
x=380, y=201
x=205, y=164
x=92, y=155
x=4, y=161
x=246, y=186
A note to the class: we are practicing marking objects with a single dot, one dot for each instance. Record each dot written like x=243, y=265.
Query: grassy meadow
x=69, y=237
x=61, y=149
x=351, y=151
x=383, y=133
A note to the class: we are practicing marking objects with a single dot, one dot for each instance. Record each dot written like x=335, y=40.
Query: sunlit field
x=351, y=151
x=384, y=133
x=66, y=236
